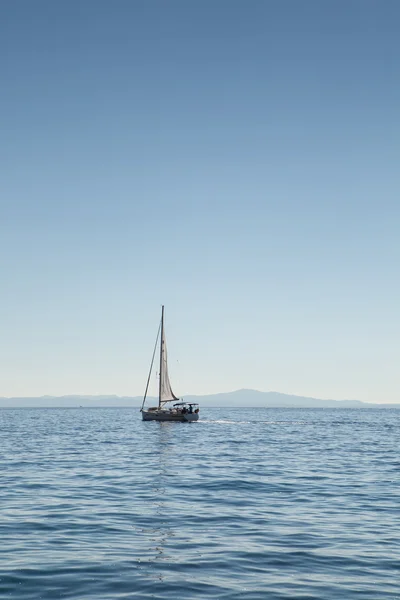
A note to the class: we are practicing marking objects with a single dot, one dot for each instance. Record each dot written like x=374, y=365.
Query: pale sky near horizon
x=236, y=161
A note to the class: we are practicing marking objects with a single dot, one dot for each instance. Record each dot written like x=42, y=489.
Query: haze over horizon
x=234, y=399
x=244, y=395
x=237, y=162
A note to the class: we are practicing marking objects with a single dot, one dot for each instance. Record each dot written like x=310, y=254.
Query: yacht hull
x=167, y=415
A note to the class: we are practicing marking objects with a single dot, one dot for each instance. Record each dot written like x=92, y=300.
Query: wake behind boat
x=180, y=411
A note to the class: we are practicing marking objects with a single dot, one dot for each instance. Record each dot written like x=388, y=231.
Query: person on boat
x=190, y=409
x=184, y=410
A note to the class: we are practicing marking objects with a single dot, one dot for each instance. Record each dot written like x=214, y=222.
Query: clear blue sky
x=237, y=161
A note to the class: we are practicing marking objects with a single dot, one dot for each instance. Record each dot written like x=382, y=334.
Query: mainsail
x=166, y=393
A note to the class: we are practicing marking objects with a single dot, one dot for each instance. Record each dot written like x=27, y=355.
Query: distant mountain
x=74, y=401
x=239, y=398
x=273, y=399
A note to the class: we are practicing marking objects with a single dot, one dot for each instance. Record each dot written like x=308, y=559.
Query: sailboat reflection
x=156, y=557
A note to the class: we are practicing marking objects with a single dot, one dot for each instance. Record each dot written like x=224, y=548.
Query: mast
x=161, y=355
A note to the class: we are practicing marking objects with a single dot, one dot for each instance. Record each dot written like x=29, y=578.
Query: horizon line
x=243, y=390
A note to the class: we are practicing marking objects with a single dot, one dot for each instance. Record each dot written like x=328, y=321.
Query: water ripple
x=247, y=503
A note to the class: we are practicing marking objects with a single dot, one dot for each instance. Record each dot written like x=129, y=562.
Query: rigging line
x=151, y=367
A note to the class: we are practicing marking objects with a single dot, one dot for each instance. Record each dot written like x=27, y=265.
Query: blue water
x=247, y=503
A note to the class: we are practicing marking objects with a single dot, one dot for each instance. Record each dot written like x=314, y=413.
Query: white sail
x=166, y=392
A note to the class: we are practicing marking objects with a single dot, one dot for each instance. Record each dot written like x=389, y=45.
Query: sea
x=247, y=503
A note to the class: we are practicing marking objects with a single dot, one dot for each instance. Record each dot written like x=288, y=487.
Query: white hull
x=169, y=415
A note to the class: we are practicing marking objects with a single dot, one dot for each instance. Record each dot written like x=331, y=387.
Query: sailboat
x=180, y=411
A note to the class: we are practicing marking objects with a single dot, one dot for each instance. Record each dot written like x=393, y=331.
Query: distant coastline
x=238, y=399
